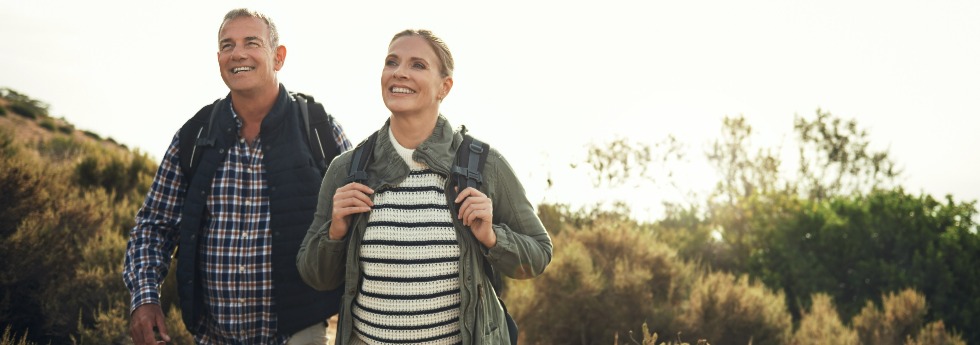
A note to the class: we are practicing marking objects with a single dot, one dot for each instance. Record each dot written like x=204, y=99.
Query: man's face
x=246, y=58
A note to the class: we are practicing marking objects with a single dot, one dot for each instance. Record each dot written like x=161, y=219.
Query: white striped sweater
x=410, y=292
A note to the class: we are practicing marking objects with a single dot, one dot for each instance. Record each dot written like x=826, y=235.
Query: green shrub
x=3, y=111
x=735, y=311
x=48, y=124
x=62, y=148
x=24, y=111
x=92, y=135
x=821, y=325
x=24, y=105
x=67, y=129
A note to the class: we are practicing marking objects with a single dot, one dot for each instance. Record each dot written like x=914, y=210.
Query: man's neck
x=252, y=107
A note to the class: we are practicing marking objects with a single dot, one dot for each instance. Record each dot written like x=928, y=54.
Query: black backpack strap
x=471, y=156
x=195, y=135
x=318, y=126
x=360, y=159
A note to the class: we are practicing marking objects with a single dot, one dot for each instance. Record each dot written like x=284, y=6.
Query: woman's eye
x=391, y=63
x=418, y=65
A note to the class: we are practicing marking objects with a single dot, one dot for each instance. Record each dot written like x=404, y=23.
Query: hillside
x=34, y=125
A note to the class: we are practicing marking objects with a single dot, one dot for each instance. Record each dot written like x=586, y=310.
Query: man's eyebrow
x=248, y=39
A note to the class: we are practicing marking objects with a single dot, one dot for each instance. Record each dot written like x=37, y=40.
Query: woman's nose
x=400, y=72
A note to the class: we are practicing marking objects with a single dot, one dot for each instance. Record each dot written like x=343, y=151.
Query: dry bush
x=9, y=338
x=722, y=308
x=903, y=314
x=822, y=325
x=901, y=322
x=935, y=334
x=603, y=279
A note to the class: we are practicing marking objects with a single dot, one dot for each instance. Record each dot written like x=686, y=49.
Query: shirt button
x=242, y=140
x=241, y=269
x=241, y=301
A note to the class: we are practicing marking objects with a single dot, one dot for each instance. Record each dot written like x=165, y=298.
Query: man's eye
x=253, y=44
x=225, y=47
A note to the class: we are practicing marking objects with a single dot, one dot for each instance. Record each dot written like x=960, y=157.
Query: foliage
x=66, y=128
x=835, y=158
x=683, y=229
x=737, y=311
x=609, y=276
x=11, y=339
x=821, y=325
x=900, y=322
x=122, y=176
x=856, y=248
x=175, y=327
x=651, y=338
x=47, y=123
x=935, y=333
x=72, y=237
x=24, y=105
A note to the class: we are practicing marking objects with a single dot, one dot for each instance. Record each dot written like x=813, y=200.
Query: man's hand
x=144, y=319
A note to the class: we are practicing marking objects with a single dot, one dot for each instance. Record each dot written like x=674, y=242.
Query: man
x=237, y=203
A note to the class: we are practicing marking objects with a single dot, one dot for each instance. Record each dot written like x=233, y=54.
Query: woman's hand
x=476, y=211
x=349, y=199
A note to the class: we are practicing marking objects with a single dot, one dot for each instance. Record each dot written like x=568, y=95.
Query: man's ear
x=280, y=56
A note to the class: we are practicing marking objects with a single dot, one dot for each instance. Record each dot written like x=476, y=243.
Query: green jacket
x=523, y=248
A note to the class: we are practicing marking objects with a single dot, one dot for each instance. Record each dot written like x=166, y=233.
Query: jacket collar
x=437, y=151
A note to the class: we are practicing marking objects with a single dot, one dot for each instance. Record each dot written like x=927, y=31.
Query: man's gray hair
x=244, y=12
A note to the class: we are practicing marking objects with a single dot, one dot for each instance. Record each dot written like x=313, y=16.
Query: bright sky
x=541, y=80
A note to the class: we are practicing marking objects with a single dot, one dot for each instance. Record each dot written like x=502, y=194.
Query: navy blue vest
x=294, y=182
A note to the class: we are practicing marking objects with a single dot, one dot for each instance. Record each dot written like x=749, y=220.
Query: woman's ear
x=447, y=84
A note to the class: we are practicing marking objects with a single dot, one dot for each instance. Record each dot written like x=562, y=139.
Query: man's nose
x=238, y=52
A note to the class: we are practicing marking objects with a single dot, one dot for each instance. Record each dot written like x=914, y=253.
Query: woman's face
x=411, y=82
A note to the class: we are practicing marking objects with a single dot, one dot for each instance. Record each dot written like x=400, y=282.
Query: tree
x=835, y=158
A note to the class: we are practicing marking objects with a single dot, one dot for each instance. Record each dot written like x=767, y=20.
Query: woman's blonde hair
x=446, y=64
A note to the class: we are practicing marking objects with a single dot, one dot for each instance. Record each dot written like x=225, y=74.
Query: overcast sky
x=541, y=80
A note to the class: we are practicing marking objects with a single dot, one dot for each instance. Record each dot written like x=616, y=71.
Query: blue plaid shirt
x=236, y=263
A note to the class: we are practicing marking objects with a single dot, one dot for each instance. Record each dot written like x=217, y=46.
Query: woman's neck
x=411, y=131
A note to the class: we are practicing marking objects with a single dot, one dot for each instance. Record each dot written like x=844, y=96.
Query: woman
x=414, y=268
